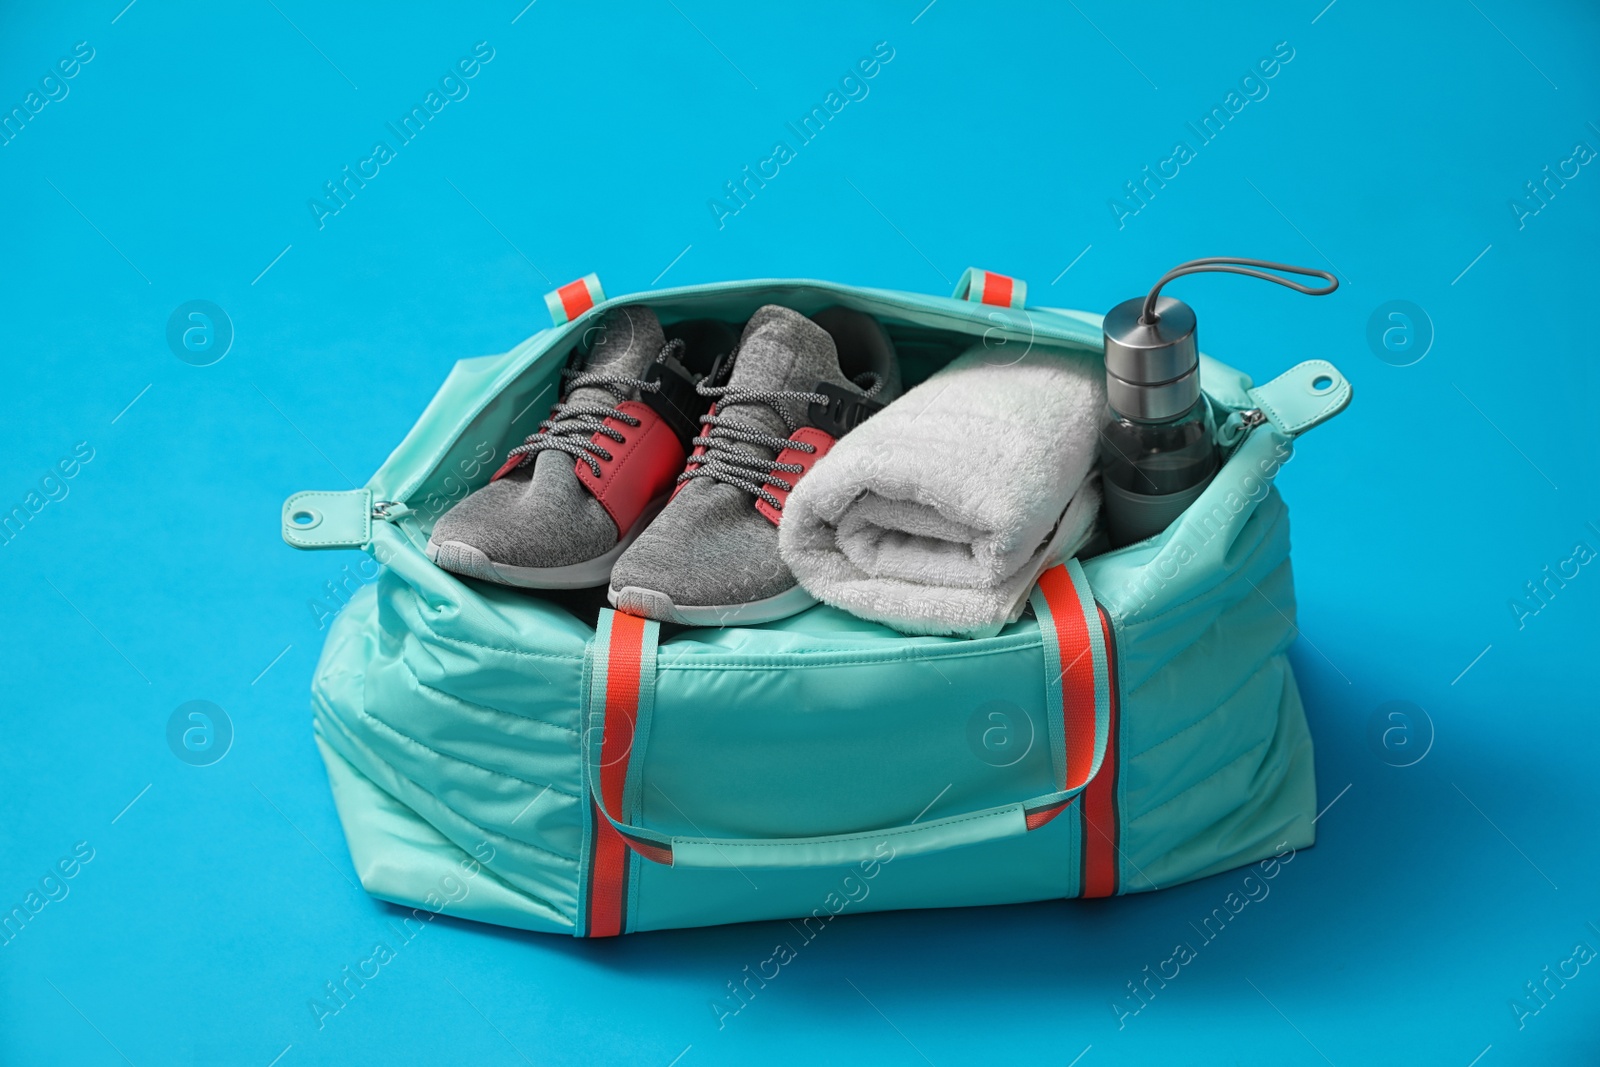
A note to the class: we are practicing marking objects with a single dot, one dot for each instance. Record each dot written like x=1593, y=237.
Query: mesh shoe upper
x=710, y=546
x=540, y=514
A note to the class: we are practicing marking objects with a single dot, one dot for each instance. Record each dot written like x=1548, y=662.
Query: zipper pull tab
x=1237, y=427
x=389, y=510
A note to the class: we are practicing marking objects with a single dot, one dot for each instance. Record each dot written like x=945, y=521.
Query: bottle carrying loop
x=1236, y=265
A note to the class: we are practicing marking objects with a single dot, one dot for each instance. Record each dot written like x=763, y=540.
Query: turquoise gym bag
x=545, y=763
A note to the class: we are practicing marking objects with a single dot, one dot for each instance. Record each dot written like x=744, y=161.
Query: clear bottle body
x=1152, y=471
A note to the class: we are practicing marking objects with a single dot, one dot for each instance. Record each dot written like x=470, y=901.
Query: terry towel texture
x=937, y=515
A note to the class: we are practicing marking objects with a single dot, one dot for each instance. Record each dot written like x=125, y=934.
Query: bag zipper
x=1236, y=427
x=1028, y=324
x=1049, y=325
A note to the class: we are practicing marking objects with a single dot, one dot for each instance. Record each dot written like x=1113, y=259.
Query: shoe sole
x=458, y=557
x=655, y=605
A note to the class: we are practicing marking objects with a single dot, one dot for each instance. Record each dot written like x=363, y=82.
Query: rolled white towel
x=937, y=515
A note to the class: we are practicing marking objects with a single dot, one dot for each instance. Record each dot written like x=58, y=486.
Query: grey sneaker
x=574, y=495
x=798, y=385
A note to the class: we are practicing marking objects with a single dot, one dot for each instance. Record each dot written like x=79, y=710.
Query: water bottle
x=1158, y=448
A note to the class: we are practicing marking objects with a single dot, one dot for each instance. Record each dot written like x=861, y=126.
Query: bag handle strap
x=1077, y=683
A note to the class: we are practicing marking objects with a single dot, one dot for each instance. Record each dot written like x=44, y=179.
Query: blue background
x=179, y=166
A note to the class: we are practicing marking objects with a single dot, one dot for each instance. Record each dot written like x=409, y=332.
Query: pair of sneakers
x=618, y=488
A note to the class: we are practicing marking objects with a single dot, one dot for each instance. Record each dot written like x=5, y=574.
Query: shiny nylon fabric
x=449, y=712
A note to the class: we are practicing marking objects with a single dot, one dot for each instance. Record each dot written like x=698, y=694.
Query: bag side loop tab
x=328, y=519
x=574, y=298
x=1306, y=395
x=987, y=287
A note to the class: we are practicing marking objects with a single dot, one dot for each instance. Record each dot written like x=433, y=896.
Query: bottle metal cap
x=1152, y=370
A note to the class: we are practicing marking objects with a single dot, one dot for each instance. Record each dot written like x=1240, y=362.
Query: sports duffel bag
x=540, y=761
